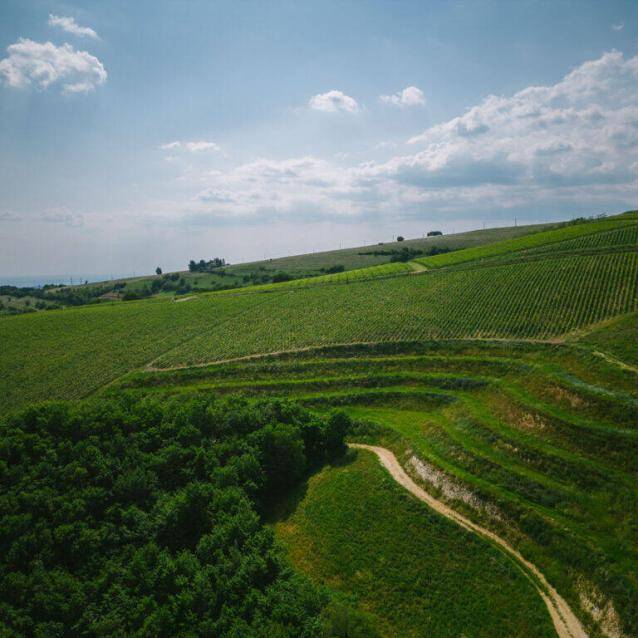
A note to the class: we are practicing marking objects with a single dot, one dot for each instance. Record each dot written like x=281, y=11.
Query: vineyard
x=537, y=441
x=625, y=236
x=546, y=239
x=540, y=300
x=70, y=353
x=364, y=256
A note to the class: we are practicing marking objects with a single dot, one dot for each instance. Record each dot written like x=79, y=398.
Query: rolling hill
x=503, y=376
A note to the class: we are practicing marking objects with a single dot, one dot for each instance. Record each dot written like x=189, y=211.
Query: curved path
x=564, y=619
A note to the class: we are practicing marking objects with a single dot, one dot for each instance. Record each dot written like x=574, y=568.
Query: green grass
x=360, y=274
x=617, y=336
x=508, y=246
x=413, y=572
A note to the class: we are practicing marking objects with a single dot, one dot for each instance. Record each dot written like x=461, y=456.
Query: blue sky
x=146, y=133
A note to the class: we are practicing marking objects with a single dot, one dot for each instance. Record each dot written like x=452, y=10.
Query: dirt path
x=180, y=299
x=564, y=619
x=615, y=361
x=150, y=367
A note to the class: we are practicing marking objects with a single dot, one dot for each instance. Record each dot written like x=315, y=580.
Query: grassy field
x=617, y=336
x=354, y=530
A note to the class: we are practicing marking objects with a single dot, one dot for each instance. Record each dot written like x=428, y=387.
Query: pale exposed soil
x=565, y=621
x=416, y=267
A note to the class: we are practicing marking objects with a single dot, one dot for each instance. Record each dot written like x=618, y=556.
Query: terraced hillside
x=537, y=442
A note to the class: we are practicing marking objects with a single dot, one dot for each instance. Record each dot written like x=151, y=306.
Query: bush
x=281, y=276
x=331, y=270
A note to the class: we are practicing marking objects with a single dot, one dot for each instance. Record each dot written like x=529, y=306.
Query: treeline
x=143, y=518
x=206, y=266
x=58, y=295
x=171, y=282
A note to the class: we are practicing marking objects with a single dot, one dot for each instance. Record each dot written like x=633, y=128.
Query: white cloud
x=71, y=26
x=8, y=216
x=567, y=146
x=196, y=147
x=333, y=101
x=581, y=131
x=618, y=26
x=61, y=216
x=45, y=64
x=193, y=147
x=410, y=96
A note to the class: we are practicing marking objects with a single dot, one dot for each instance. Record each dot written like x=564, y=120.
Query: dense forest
x=144, y=518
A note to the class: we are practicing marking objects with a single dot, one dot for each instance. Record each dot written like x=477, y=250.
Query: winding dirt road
x=565, y=621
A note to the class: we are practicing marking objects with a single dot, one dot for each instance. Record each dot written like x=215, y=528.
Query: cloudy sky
x=141, y=133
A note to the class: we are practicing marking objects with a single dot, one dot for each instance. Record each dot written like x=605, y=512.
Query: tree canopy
x=143, y=518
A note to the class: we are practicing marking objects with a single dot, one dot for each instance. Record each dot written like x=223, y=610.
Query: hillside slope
x=69, y=353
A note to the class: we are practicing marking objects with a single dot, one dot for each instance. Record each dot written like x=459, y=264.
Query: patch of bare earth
x=601, y=610
x=564, y=396
x=449, y=488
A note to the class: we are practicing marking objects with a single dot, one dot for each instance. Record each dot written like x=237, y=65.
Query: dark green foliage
x=206, y=266
x=281, y=276
x=143, y=518
x=331, y=270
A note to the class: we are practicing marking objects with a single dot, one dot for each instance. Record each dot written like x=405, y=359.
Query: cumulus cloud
x=569, y=145
x=410, y=96
x=42, y=65
x=579, y=131
x=333, y=101
x=192, y=147
x=71, y=26
x=618, y=27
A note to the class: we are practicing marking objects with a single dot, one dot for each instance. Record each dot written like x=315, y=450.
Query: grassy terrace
x=372, y=561
x=536, y=441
